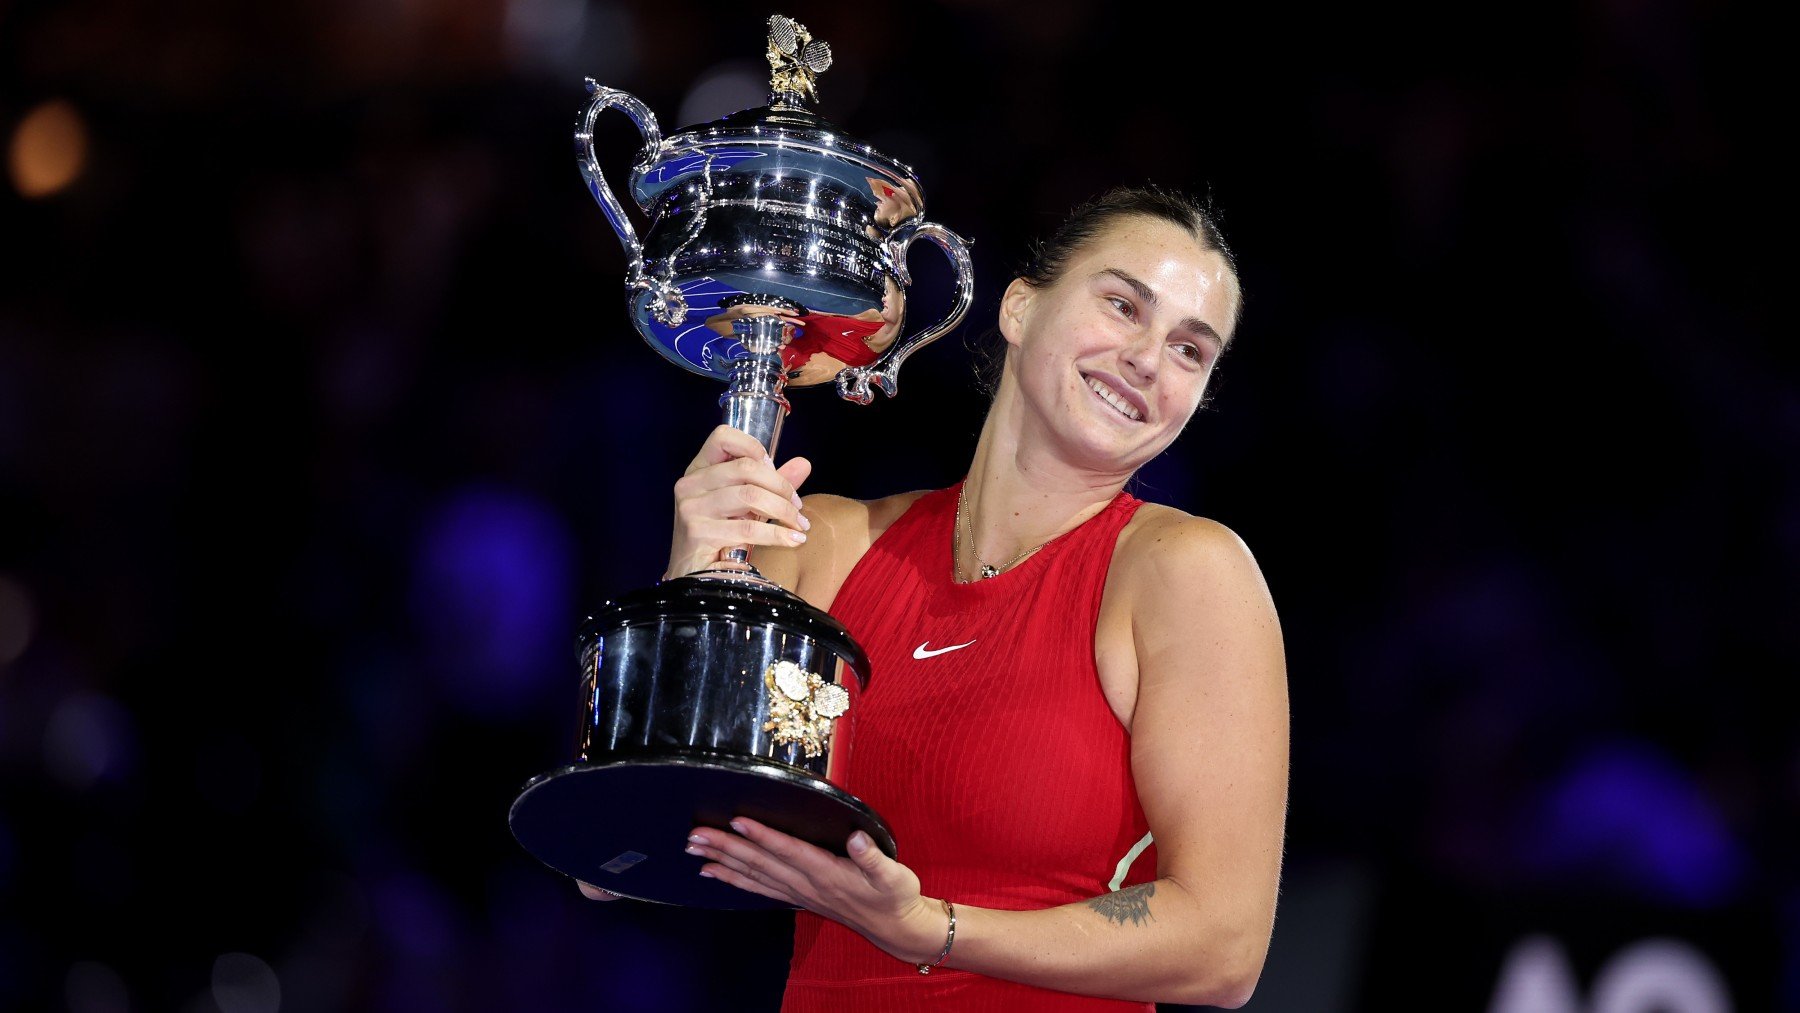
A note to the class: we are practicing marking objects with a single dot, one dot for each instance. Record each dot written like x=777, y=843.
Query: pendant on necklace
x=989, y=571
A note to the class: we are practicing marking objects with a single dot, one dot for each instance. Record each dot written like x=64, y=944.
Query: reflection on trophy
x=775, y=257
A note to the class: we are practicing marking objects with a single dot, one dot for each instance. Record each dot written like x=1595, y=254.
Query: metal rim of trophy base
x=856, y=812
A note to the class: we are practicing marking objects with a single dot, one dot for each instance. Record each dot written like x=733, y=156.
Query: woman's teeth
x=1112, y=397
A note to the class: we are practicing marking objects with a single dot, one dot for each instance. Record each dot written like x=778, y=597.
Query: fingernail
x=770, y=461
x=696, y=839
x=859, y=842
x=737, y=825
x=708, y=875
x=798, y=536
x=797, y=504
x=695, y=851
x=805, y=525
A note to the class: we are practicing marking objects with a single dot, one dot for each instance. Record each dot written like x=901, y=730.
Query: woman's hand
x=592, y=892
x=869, y=892
x=726, y=497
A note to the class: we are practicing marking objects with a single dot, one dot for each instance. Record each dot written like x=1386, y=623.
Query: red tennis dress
x=984, y=741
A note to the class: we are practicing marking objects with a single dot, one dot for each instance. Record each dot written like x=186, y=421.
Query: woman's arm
x=1209, y=755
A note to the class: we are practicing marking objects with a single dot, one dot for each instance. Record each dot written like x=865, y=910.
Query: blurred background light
x=571, y=39
x=493, y=599
x=8, y=855
x=1660, y=974
x=87, y=739
x=1627, y=816
x=48, y=150
x=545, y=31
x=728, y=87
x=93, y=987
x=243, y=983
x=17, y=619
x=1536, y=978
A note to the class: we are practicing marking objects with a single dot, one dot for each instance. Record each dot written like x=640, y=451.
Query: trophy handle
x=671, y=306
x=853, y=383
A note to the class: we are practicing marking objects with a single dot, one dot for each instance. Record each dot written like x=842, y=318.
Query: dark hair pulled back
x=1046, y=259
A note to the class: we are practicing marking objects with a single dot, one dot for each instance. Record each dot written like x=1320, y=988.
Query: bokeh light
x=244, y=983
x=492, y=598
x=723, y=90
x=1627, y=815
x=49, y=148
x=93, y=987
x=18, y=619
x=88, y=739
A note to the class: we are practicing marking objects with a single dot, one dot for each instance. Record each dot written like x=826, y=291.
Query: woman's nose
x=1141, y=359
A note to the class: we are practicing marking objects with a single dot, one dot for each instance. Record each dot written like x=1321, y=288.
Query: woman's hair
x=1046, y=259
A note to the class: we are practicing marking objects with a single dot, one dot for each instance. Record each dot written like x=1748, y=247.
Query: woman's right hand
x=726, y=498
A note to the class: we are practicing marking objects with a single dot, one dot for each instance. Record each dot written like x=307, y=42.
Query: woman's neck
x=1020, y=495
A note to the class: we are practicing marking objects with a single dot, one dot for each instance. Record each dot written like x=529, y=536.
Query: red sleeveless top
x=985, y=743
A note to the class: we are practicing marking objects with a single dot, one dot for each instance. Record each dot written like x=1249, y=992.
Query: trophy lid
x=795, y=61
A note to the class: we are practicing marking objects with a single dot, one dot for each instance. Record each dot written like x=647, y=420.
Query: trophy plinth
x=706, y=697
x=775, y=257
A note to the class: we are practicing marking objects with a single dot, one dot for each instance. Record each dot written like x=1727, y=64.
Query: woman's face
x=1115, y=355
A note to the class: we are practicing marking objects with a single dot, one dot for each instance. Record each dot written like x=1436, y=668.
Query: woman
x=1078, y=727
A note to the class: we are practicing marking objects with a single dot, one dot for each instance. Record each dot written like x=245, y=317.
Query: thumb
x=869, y=858
x=796, y=470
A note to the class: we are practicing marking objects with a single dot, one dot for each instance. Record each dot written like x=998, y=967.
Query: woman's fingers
x=739, y=489
x=724, y=444
x=732, y=877
x=749, y=858
x=796, y=471
x=743, y=531
x=726, y=495
x=869, y=892
x=743, y=459
x=791, y=850
x=592, y=892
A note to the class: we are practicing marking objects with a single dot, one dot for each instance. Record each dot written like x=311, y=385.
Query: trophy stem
x=754, y=403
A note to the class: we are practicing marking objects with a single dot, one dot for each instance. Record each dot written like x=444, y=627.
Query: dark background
x=320, y=426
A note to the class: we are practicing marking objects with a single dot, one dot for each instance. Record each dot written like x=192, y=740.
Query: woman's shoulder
x=842, y=531
x=1162, y=548
x=862, y=519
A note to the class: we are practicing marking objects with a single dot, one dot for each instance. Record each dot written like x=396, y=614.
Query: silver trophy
x=775, y=257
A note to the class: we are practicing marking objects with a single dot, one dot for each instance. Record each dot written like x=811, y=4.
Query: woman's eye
x=1191, y=352
x=1121, y=305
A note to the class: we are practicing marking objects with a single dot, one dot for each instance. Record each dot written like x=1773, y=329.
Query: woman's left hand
x=868, y=892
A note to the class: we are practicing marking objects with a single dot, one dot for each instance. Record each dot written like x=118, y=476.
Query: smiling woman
x=1082, y=749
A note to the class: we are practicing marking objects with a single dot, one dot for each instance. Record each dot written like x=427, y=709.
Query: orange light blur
x=48, y=149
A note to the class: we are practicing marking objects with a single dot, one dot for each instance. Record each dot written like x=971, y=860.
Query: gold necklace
x=987, y=570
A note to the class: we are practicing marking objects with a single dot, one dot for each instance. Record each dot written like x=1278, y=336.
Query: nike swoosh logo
x=920, y=653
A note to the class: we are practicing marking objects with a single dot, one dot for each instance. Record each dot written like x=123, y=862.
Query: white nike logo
x=920, y=653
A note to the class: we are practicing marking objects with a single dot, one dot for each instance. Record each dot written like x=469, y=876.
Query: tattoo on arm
x=1131, y=904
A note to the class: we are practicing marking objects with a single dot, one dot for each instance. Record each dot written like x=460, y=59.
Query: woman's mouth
x=1115, y=400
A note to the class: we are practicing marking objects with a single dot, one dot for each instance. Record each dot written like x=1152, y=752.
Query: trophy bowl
x=773, y=210
x=775, y=256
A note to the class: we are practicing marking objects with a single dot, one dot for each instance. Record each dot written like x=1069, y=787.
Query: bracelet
x=949, y=937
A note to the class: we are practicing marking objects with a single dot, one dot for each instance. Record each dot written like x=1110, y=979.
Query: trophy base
x=622, y=824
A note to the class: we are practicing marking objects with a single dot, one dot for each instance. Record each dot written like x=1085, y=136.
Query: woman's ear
x=1014, y=305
